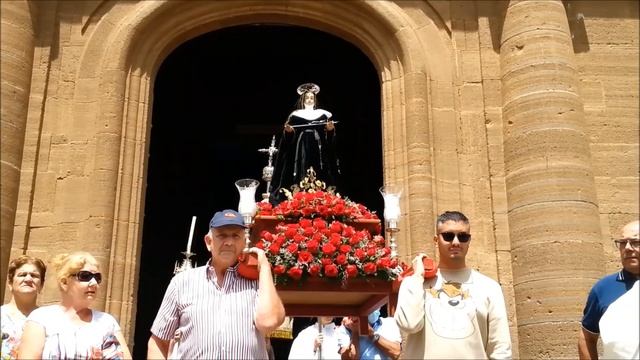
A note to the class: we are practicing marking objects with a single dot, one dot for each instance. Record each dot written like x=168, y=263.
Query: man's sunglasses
x=622, y=243
x=449, y=236
x=86, y=276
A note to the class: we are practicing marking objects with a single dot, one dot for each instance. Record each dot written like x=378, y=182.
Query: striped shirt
x=215, y=322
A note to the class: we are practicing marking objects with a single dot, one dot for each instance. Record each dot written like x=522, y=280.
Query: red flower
x=383, y=263
x=326, y=261
x=274, y=248
x=305, y=223
x=309, y=231
x=317, y=236
x=371, y=251
x=279, y=269
x=292, y=248
x=328, y=249
x=348, y=231
x=305, y=257
x=360, y=254
x=352, y=271
x=308, y=197
x=308, y=211
x=357, y=238
x=298, y=238
x=331, y=270
x=319, y=223
x=345, y=249
x=335, y=240
x=312, y=246
x=341, y=259
x=295, y=273
x=266, y=235
x=290, y=233
x=314, y=270
x=370, y=268
x=336, y=227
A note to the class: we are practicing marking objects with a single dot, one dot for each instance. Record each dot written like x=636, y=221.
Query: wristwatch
x=376, y=337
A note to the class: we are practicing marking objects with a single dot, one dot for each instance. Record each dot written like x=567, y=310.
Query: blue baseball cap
x=226, y=217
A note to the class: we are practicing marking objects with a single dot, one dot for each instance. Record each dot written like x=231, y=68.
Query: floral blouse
x=12, y=322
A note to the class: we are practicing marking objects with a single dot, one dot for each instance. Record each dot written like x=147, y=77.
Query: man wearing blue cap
x=218, y=313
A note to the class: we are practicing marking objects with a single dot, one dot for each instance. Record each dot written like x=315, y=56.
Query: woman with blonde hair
x=25, y=278
x=71, y=329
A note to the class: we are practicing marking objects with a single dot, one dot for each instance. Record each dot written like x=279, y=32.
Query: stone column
x=552, y=210
x=17, y=45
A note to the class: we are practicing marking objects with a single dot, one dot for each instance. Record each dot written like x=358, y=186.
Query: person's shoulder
x=483, y=279
x=100, y=315
x=46, y=312
x=190, y=274
x=46, y=309
x=607, y=280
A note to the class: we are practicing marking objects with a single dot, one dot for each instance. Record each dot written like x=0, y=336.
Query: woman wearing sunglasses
x=25, y=279
x=71, y=329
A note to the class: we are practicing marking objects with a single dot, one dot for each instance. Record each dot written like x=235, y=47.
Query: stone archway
x=132, y=41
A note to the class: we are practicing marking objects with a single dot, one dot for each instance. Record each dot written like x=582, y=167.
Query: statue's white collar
x=311, y=114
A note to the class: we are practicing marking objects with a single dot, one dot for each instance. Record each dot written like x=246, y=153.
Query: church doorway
x=220, y=97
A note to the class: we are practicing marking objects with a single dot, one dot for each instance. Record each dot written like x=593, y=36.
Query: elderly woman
x=24, y=279
x=71, y=329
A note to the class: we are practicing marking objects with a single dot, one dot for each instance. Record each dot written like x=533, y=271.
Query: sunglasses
x=622, y=243
x=86, y=276
x=449, y=236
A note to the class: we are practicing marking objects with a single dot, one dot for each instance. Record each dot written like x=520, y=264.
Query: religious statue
x=308, y=140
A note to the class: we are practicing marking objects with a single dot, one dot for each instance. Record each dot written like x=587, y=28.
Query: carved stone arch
x=134, y=39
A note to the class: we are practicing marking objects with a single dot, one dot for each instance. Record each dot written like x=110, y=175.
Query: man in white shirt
x=322, y=340
x=459, y=314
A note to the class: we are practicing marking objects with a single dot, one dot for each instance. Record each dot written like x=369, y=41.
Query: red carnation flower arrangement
x=322, y=249
x=317, y=240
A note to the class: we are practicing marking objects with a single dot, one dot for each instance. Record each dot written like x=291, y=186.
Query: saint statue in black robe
x=308, y=140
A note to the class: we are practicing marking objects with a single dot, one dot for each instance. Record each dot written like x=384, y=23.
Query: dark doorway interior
x=220, y=97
